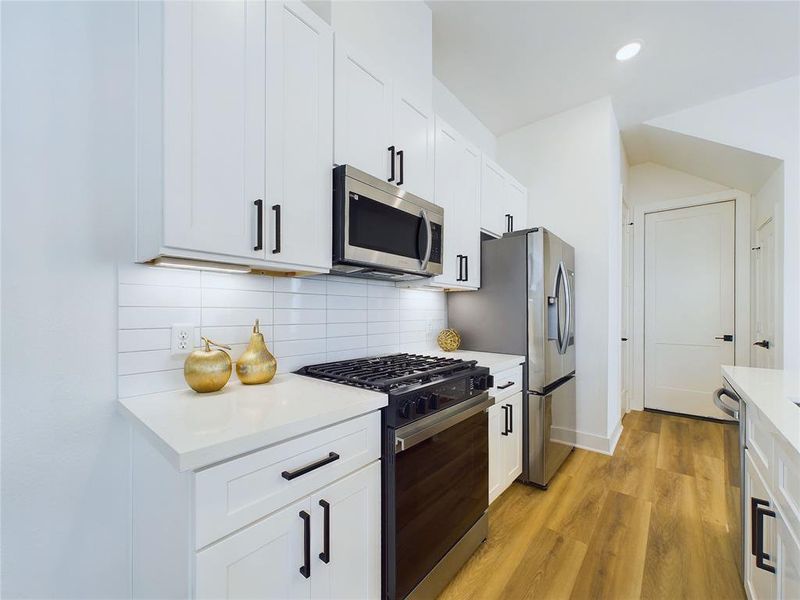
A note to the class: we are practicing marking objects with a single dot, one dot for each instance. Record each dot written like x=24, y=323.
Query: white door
x=214, y=122
x=300, y=135
x=513, y=441
x=447, y=154
x=689, y=306
x=350, y=567
x=362, y=113
x=493, y=198
x=762, y=352
x=516, y=205
x=413, y=138
x=760, y=584
x=497, y=431
x=261, y=561
x=469, y=209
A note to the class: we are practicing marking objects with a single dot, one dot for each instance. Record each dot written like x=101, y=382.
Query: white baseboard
x=587, y=441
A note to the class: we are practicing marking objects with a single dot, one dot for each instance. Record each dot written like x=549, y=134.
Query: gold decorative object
x=256, y=364
x=207, y=370
x=448, y=340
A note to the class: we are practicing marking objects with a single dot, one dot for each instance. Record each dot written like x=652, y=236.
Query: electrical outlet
x=182, y=339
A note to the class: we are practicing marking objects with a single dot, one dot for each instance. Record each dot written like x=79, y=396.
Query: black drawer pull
x=510, y=418
x=762, y=512
x=325, y=555
x=505, y=419
x=305, y=570
x=289, y=475
x=506, y=385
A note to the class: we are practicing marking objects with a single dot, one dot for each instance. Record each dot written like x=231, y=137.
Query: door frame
x=741, y=278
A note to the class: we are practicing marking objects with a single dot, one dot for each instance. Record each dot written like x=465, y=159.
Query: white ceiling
x=512, y=63
x=733, y=167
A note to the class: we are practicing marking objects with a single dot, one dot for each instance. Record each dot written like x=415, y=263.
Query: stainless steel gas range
x=435, y=462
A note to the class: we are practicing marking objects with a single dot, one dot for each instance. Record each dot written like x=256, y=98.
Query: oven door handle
x=422, y=430
x=428, y=239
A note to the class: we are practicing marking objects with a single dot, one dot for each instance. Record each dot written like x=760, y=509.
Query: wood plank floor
x=659, y=519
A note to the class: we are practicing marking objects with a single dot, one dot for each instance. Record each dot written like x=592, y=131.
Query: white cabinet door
x=350, y=566
x=300, y=135
x=516, y=204
x=413, y=138
x=496, y=454
x=512, y=461
x=788, y=567
x=214, y=122
x=261, y=561
x=362, y=113
x=758, y=582
x=447, y=146
x=469, y=211
x=493, y=198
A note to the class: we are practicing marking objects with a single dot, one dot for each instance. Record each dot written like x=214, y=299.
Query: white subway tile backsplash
x=304, y=320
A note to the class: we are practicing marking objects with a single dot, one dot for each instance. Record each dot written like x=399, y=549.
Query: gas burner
x=388, y=373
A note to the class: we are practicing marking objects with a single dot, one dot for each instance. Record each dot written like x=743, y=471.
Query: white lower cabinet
x=268, y=559
x=759, y=582
x=505, y=432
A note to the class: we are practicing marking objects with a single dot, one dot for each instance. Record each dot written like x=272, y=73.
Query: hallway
x=658, y=519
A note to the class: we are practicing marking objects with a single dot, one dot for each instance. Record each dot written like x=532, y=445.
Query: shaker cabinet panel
x=363, y=113
x=413, y=137
x=759, y=582
x=299, y=134
x=493, y=193
x=516, y=204
x=213, y=125
x=505, y=444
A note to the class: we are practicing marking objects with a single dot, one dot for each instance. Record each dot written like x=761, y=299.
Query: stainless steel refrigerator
x=526, y=305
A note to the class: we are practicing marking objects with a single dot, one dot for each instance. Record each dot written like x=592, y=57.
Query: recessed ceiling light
x=629, y=50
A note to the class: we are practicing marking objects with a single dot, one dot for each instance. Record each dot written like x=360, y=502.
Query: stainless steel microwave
x=381, y=231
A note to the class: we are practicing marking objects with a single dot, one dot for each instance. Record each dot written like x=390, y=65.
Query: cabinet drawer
x=787, y=484
x=235, y=493
x=759, y=441
x=502, y=389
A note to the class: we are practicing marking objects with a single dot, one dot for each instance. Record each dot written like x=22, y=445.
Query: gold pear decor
x=449, y=340
x=207, y=369
x=256, y=364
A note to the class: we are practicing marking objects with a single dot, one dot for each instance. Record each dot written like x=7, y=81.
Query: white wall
x=571, y=165
x=68, y=190
x=766, y=120
x=650, y=182
x=304, y=321
x=396, y=35
x=458, y=116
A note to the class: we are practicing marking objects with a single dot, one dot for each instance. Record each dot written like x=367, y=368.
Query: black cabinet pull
x=259, y=225
x=402, y=170
x=325, y=555
x=289, y=475
x=391, y=177
x=277, y=209
x=505, y=419
x=505, y=385
x=754, y=504
x=762, y=512
x=460, y=267
x=508, y=222
x=510, y=418
x=305, y=570
x=511, y=226
x=466, y=268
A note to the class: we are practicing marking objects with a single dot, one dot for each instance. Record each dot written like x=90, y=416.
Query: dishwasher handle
x=720, y=404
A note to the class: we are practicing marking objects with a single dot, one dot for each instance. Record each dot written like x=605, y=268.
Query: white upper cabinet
x=299, y=135
x=380, y=127
x=457, y=191
x=504, y=201
x=235, y=127
x=363, y=113
x=213, y=138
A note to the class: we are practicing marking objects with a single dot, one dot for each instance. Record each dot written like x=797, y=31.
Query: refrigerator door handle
x=553, y=304
x=568, y=319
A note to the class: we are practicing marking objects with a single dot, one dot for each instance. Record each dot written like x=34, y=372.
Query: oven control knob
x=422, y=405
x=433, y=401
x=405, y=409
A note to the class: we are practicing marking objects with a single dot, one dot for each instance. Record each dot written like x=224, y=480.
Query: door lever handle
x=762, y=343
x=728, y=337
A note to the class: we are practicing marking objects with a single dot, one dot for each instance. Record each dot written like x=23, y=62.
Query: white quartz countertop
x=195, y=430
x=771, y=391
x=494, y=362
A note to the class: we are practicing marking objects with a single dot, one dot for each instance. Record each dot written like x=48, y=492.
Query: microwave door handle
x=429, y=239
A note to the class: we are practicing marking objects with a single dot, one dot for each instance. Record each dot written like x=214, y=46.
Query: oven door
x=390, y=230
x=442, y=486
